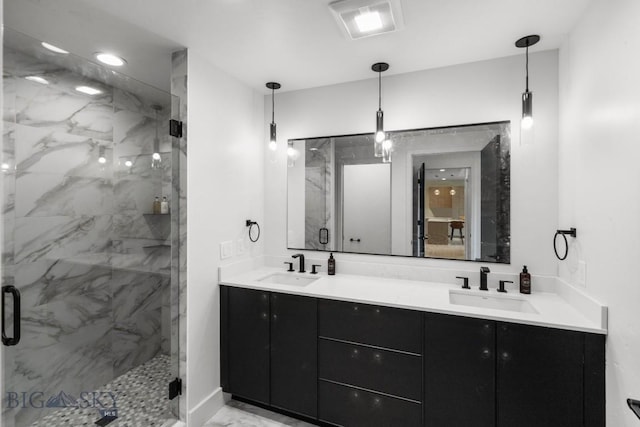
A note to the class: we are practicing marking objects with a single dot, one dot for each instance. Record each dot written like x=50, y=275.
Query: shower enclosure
x=86, y=260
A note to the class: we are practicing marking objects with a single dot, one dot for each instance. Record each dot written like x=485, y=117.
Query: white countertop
x=552, y=309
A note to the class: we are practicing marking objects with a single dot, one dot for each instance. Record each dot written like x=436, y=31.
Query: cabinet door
x=247, y=343
x=294, y=332
x=459, y=371
x=540, y=376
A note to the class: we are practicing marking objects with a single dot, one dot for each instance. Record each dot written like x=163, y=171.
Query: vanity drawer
x=350, y=407
x=375, y=369
x=392, y=328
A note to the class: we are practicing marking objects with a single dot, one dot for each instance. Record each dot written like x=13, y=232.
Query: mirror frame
x=506, y=226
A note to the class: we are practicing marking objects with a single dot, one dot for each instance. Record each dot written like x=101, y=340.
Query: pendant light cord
x=379, y=90
x=527, y=65
x=273, y=105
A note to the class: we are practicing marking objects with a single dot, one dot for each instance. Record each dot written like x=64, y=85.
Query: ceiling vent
x=364, y=18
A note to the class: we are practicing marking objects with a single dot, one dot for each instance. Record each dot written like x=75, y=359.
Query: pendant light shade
x=273, y=144
x=527, y=96
x=156, y=159
x=380, y=136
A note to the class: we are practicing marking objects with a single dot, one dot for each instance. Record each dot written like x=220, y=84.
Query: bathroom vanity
x=363, y=351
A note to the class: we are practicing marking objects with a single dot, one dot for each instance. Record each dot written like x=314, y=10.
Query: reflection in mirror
x=445, y=194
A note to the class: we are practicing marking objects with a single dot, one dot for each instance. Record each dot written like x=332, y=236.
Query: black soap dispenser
x=525, y=281
x=331, y=265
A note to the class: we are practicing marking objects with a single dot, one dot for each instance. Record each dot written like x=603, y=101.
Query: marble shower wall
x=92, y=267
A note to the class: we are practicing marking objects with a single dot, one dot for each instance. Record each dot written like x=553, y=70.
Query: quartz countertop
x=552, y=309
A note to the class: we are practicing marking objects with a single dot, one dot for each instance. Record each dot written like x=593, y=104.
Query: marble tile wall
x=92, y=266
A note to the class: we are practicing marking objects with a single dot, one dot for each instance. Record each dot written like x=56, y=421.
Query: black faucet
x=483, y=278
x=301, y=261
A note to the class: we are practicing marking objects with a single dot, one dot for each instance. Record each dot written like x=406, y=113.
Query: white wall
x=225, y=188
x=599, y=176
x=471, y=93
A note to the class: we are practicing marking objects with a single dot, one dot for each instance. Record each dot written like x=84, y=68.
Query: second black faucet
x=483, y=278
x=301, y=256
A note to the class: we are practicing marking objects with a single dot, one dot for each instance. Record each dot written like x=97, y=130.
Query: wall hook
x=564, y=233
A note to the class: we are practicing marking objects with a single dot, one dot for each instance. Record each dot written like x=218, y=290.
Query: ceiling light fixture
x=110, y=59
x=368, y=20
x=53, y=48
x=527, y=96
x=273, y=144
x=156, y=159
x=380, y=136
x=88, y=90
x=364, y=18
x=37, y=79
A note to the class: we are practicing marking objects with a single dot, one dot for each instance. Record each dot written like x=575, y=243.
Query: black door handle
x=354, y=240
x=9, y=289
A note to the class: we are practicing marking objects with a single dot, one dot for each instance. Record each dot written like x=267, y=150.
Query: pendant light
x=380, y=136
x=272, y=130
x=156, y=159
x=527, y=96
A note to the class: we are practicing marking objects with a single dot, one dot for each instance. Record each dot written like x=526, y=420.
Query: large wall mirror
x=444, y=194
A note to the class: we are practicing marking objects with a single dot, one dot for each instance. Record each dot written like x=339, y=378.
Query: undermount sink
x=288, y=279
x=491, y=301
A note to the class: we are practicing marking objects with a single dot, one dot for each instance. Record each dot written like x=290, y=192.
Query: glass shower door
x=84, y=243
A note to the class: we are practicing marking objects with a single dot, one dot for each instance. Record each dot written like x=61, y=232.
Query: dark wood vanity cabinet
x=294, y=349
x=350, y=364
x=245, y=339
x=369, y=365
x=460, y=374
x=504, y=374
x=269, y=348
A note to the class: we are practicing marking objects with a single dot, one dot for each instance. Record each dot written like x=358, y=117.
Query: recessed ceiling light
x=88, y=90
x=363, y=18
x=37, y=79
x=442, y=170
x=110, y=59
x=368, y=20
x=53, y=48
x=444, y=179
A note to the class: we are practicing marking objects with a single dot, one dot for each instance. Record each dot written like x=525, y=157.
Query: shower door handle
x=9, y=341
x=323, y=236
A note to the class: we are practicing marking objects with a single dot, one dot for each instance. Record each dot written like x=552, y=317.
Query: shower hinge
x=175, y=388
x=175, y=128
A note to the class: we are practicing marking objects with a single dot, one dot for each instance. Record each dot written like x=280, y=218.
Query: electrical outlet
x=240, y=247
x=582, y=273
x=226, y=249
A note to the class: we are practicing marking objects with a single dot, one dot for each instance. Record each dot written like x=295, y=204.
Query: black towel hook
x=570, y=232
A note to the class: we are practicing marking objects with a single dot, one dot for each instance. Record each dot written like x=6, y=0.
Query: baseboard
x=206, y=409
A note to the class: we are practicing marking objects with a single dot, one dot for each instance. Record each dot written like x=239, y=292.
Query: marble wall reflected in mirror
x=445, y=194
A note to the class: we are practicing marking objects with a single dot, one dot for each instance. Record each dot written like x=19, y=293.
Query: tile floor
x=239, y=414
x=141, y=400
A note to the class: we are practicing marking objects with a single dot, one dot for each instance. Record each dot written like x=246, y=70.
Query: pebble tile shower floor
x=141, y=400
